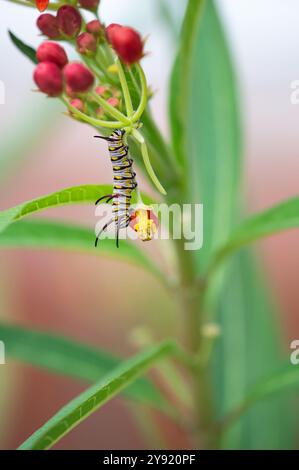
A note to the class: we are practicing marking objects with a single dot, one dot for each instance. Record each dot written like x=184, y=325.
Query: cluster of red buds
x=54, y=75
x=97, y=90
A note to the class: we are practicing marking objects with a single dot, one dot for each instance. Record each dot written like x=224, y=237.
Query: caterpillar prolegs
x=124, y=183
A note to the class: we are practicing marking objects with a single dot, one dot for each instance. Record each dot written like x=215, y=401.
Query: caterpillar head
x=145, y=223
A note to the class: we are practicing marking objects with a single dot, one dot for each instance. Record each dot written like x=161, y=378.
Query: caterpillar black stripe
x=123, y=183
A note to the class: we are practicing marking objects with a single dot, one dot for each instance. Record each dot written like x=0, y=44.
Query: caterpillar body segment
x=124, y=183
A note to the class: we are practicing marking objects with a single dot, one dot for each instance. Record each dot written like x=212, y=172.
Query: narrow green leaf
x=181, y=79
x=54, y=235
x=95, y=397
x=278, y=218
x=28, y=51
x=286, y=379
x=214, y=138
x=249, y=348
x=74, y=195
x=69, y=357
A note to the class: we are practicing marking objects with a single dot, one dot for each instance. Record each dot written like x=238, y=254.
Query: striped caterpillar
x=142, y=220
x=123, y=183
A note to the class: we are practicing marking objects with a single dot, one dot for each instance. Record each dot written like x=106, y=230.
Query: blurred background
x=42, y=151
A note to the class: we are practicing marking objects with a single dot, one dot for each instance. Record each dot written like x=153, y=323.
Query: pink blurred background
x=73, y=294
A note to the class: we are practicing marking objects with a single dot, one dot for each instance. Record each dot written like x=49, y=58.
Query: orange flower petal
x=42, y=4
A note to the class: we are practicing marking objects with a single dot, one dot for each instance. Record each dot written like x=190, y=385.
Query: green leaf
x=283, y=380
x=249, y=348
x=278, y=218
x=249, y=345
x=69, y=357
x=55, y=235
x=74, y=195
x=28, y=51
x=214, y=139
x=95, y=397
x=181, y=79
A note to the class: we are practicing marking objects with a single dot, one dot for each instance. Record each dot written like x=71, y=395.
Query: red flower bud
x=101, y=90
x=94, y=27
x=126, y=42
x=78, y=104
x=78, y=77
x=70, y=92
x=48, y=25
x=69, y=21
x=110, y=31
x=89, y=4
x=42, y=4
x=86, y=43
x=113, y=102
x=48, y=78
x=52, y=52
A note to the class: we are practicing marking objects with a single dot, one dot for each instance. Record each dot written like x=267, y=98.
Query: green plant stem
x=143, y=100
x=106, y=78
x=101, y=58
x=144, y=151
x=108, y=51
x=110, y=109
x=171, y=172
x=90, y=120
x=94, y=67
x=191, y=301
x=101, y=62
x=153, y=135
x=125, y=89
x=148, y=426
x=134, y=81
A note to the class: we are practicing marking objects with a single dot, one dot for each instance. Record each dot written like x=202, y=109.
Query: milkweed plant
x=223, y=376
